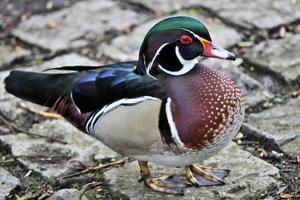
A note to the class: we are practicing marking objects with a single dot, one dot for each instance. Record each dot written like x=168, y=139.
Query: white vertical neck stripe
x=172, y=125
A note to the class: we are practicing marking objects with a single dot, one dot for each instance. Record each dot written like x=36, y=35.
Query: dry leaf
x=51, y=24
x=282, y=32
x=285, y=195
x=263, y=153
x=49, y=5
x=296, y=93
x=246, y=44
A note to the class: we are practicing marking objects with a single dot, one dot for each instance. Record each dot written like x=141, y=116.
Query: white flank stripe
x=172, y=124
x=93, y=119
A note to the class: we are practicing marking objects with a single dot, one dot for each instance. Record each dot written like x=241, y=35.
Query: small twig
x=40, y=112
x=7, y=161
x=40, y=156
x=16, y=129
x=44, y=196
x=88, y=186
x=6, y=122
x=81, y=180
x=249, y=142
x=93, y=169
x=36, y=156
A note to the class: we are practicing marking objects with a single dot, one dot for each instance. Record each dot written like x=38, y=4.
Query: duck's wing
x=50, y=87
x=97, y=89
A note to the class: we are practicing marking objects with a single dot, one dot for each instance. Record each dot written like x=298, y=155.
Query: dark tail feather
x=40, y=88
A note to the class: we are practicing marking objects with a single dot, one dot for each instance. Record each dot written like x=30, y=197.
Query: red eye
x=186, y=39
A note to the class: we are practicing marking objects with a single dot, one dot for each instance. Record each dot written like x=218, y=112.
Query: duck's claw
x=165, y=185
x=204, y=176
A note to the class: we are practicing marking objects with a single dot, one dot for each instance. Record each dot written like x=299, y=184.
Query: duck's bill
x=211, y=50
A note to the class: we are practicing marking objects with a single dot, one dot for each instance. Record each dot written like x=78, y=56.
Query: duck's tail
x=40, y=88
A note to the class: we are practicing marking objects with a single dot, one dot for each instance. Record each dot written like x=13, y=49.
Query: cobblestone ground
x=263, y=158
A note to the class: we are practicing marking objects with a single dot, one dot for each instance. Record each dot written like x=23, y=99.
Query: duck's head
x=173, y=45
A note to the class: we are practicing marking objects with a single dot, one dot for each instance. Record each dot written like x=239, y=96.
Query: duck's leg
x=204, y=176
x=159, y=184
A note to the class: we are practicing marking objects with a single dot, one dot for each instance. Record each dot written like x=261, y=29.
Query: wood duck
x=165, y=108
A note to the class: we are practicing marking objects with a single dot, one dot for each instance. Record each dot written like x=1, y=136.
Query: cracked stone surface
x=249, y=176
x=166, y=6
x=10, y=104
x=279, y=121
x=69, y=27
x=91, y=24
x=279, y=56
x=50, y=158
x=14, y=9
x=256, y=14
x=67, y=60
x=252, y=90
x=127, y=47
x=9, y=55
x=41, y=155
x=67, y=194
x=7, y=183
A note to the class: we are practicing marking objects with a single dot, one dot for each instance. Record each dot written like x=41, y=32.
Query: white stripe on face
x=194, y=34
x=187, y=65
x=150, y=65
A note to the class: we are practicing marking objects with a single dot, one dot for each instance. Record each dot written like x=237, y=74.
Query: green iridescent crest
x=180, y=22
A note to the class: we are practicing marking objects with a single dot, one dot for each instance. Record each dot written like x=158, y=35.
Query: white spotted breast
x=205, y=102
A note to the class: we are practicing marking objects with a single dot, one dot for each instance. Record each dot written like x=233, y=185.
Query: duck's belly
x=133, y=131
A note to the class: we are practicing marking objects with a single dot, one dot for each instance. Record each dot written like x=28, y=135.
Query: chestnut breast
x=204, y=102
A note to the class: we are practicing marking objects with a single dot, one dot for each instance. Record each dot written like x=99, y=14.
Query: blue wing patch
x=111, y=83
x=96, y=89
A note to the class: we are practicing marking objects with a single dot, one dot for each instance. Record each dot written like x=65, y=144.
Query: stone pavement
x=256, y=14
x=97, y=32
x=7, y=182
x=248, y=173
